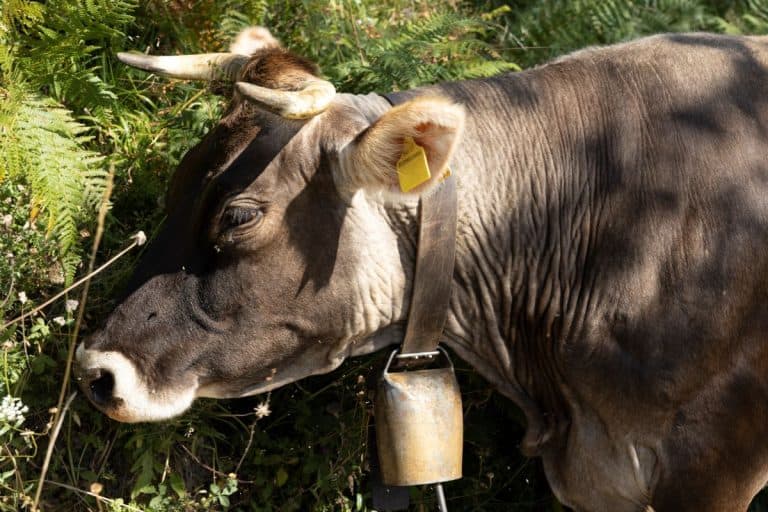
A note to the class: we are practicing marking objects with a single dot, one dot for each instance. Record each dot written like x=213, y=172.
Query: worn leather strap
x=435, y=257
x=432, y=281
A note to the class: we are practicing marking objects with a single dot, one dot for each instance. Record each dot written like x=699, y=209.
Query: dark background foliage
x=70, y=115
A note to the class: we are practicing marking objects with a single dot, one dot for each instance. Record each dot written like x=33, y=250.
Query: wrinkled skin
x=611, y=274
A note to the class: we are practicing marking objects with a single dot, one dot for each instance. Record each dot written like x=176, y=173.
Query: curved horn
x=310, y=100
x=203, y=66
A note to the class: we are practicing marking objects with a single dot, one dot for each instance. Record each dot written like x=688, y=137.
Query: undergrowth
x=69, y=112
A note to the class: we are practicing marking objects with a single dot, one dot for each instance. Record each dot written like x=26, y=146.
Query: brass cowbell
x=419, y=423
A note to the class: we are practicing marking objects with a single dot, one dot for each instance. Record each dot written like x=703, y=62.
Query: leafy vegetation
x=543, y=29
x=70, y=115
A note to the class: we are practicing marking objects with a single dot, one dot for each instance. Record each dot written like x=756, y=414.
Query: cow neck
x=435, y=256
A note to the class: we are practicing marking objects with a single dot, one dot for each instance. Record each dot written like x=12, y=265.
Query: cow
x=611, y=272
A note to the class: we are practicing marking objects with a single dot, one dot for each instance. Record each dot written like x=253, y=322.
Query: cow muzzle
x=114, y=385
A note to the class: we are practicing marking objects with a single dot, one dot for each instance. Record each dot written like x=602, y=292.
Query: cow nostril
x=101, y=387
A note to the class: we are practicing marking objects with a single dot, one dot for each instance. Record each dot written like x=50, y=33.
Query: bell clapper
x=441, y=506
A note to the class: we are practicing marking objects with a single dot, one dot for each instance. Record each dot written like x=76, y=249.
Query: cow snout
x=118, y=387
x=99, y=385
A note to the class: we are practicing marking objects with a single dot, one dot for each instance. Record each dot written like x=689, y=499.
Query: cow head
x=287, y=245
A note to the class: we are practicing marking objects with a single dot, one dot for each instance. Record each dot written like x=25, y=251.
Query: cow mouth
x=279, y=375
x=114, y=385
x=216, y=390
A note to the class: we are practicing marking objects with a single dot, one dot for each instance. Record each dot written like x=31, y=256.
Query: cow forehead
x=296, y=152
x=249, y=161
x=248, y=139
x=246, y=132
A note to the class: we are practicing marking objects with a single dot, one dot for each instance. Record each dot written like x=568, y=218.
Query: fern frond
x=444, y=46
x=20, y=15
x=43, y=143
x=62, y=53
x=239, y=15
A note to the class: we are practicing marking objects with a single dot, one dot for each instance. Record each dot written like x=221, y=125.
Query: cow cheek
x=262, y=364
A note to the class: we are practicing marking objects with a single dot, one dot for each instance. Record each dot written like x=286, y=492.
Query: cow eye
x=235, y=216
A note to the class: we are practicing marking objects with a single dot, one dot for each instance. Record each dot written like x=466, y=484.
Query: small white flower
x=7, y=220
x=60, y=321
x=71, y=305
x=12, y=410
x=22, y=297
x=262, y=410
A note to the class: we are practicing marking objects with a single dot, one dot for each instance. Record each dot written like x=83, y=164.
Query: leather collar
x=435, y=258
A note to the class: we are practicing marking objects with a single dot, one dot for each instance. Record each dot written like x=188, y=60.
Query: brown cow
x=612, y=256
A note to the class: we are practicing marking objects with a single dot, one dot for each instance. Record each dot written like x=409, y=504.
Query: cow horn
x=204, y=66
x=310, y=100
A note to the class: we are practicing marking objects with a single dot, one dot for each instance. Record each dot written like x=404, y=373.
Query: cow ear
x=252, y=40
x=371, y=162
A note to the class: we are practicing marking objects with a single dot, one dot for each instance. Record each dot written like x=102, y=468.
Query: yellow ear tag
x=412, y=168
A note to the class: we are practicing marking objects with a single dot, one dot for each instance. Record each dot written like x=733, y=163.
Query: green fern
x=238, y=15
x=441, y=47
x=52, y=54
x=44, y=145
x=364, y=48
x=754, y=15
x=554, y=27
x=20, y=15
x=63, y=53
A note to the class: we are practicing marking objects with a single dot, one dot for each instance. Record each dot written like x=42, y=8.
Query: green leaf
x=146, y=489
x=177, y=484
x=41, y=363
x=281, y=477
x=156, y=502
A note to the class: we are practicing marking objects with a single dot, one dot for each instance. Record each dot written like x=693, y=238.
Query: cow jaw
x=274, y=379
x=131, y=399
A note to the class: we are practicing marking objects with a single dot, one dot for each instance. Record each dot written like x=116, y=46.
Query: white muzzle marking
x=134, y=400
